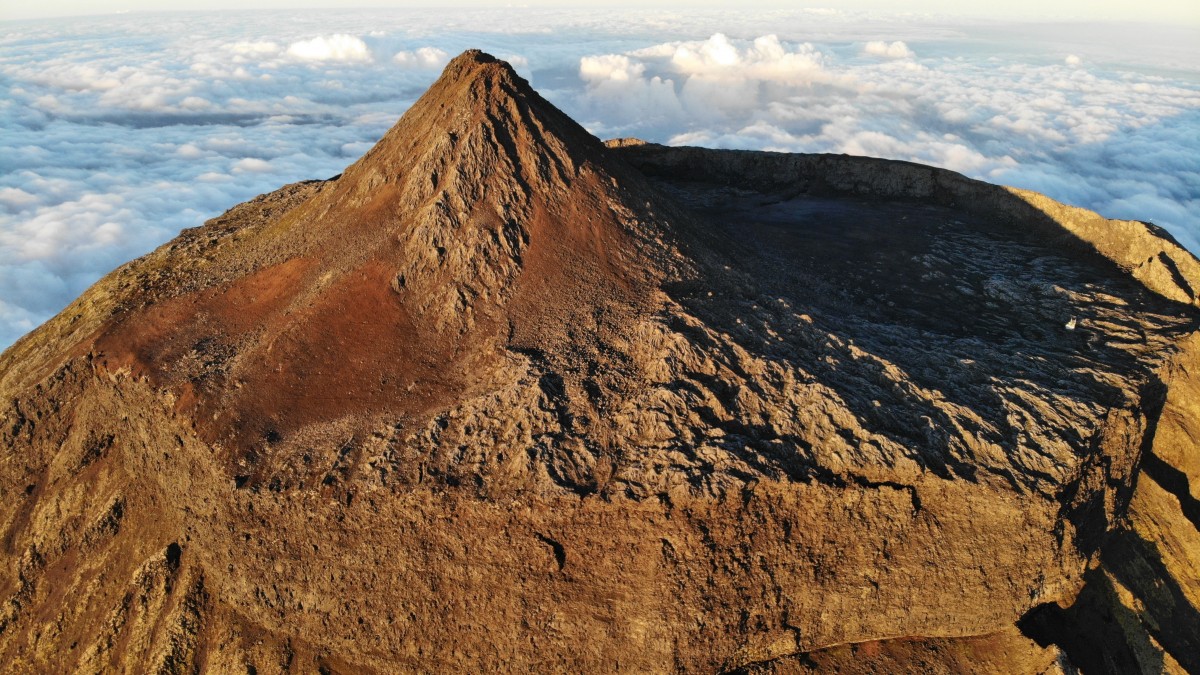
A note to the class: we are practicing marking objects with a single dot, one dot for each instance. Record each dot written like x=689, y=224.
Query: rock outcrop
x=500, y=397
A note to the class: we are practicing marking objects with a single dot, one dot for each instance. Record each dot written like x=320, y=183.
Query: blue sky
x=118, y=131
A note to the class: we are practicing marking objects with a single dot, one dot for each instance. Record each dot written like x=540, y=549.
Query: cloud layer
x=117, y=133
x=1121, y=143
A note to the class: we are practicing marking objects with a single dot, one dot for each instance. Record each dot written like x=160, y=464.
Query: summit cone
x=484, y=220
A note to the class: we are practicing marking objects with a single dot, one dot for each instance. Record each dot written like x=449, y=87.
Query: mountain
x=503, y=397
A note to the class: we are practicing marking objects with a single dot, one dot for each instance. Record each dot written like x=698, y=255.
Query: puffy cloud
x=338, y=47
x=1072, y=60
x=1075, y=135
x=189, y=150
x=16, y=199
x=517, y=61
x=892, y=50
x=609, y=67
x=425, y=57
x=682, y=83
x=765, y=59
x=616, y=88
x=251, y=165
x=246, y=51
x=18, y=319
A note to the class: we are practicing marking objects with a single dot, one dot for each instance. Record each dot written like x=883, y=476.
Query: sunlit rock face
x=503, y=397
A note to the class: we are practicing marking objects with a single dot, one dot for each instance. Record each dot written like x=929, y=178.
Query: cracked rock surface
x=502, y=397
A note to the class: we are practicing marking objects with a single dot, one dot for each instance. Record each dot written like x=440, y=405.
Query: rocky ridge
x=501, y=397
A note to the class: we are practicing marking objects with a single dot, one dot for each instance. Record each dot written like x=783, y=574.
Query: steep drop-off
x=500, y=397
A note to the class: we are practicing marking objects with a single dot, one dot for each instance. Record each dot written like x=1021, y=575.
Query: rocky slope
x=502, y=398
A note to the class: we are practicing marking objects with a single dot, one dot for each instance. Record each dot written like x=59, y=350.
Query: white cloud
x=256, y=50
x=1048, y=128
x=517, y=61
x=616, y=88
x=1072, y=60
x=15, y=199
x=338, y=47
x=195, y=103
x=189, y=150
x=19, y=320
x=92, y=221
x=425, y=57
x=892, y=50
x=251, y=165
x=609, y=67
x=765, y=59
x=698, y=81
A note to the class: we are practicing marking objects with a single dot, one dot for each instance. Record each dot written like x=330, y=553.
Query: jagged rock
x=502, y=398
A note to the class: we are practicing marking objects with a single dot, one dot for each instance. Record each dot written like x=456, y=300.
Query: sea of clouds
x=120, y=131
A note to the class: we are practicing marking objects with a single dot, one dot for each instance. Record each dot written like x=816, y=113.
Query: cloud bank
x=339, y=47
x=1116, y=142
x=893, y=50
x=119, y=132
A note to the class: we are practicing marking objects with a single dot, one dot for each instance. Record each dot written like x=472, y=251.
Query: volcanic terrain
x=501, y=397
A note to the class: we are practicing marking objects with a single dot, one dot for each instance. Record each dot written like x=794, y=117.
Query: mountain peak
x=484, y=221
x=476, y=78
x=491, y=178
x=478, y=103
x=472, y=63
x=460, y=397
